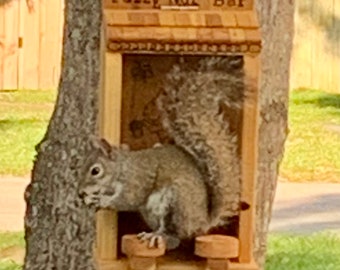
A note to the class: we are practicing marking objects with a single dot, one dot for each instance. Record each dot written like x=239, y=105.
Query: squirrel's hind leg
x=156, y=214
x=159, y=238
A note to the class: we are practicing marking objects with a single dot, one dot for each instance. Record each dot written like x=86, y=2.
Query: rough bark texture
x=277, y=20
x=59, y=228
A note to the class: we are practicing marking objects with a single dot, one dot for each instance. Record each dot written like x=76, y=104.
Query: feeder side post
x=110, y=129
x=249, y=156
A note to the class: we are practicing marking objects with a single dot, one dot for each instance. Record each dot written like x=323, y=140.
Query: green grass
x=9, y=239
x=28, y=96
x=9, y=265
x=312, y=148
x=24, y=116
x=10, y=243
x=313, y=252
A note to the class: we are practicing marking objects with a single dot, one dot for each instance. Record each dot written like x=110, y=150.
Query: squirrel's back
x=194, y=105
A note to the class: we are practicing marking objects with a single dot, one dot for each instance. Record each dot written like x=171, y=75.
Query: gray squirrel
x=181, y=190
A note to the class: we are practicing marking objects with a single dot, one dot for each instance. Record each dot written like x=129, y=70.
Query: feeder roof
x=209, y=31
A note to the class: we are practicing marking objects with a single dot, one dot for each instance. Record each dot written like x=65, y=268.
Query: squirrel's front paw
x=155, y=239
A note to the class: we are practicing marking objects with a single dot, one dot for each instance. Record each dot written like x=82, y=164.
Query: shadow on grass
x=8, y=90
x=7, y=123
x=314, y=97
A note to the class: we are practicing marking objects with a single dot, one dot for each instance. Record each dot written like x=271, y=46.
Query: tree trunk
x=277, y=20
x=59, y=229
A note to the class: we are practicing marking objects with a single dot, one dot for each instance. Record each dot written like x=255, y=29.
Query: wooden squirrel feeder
x=141, y=39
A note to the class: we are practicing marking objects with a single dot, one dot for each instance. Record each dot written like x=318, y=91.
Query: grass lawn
x=23, y=120
x=312, y=148
x=315, y=252
x=11, y=251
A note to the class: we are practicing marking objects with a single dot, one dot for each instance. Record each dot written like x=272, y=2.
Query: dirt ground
x=306, y=208
x=298, y=207
x=12, y=204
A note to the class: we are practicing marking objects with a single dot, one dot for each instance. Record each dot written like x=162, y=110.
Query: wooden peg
x=217, y=249
x=140, y=256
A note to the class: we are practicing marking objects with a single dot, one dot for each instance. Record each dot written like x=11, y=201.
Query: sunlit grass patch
x=312, y=148
x=24, y=117
x=309, y=252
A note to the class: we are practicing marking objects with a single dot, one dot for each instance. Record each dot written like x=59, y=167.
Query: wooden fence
x=316, y=55
x=30, y=44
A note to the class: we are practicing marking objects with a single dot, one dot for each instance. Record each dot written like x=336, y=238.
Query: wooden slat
x=162, y=33
x=221, y=35
x=237, y=35
x=110, y=129
x=204, y=34
x=114, y=33
x=182, y=19
x=113, y=17
x=335, y=82
x=244, y=19
x=197, y=19
x=60, y=35
x=213, y=20
x=10, y=60
x=181, y=34
x=44, y=52
x=167, y=19
x=31, y=48
x=252, y=35
x=323, y=74
x=254, y=21
x=184, y=34
x=49, y=43
x=2, y=44
x=249, y=157
x=229, y=20
x=131, y=33
x=22, y=10
x=136, y=18
x=152, y=19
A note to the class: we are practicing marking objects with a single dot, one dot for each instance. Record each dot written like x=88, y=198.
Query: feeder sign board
x=179, y=4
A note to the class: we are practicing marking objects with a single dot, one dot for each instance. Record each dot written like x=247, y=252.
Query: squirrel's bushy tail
x=196, y=103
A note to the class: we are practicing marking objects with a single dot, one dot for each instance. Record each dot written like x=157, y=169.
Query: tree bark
x=59, y=229
x=277, y=21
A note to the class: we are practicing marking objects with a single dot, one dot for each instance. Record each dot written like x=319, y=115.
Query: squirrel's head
x=99, y=186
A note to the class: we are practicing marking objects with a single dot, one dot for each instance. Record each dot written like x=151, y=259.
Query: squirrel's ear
x=101, y=144
x=105, y=146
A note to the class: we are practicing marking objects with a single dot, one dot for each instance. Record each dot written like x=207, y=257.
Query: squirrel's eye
x=96, y=170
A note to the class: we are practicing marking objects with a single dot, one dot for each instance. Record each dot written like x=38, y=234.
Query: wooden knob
x=216, y=246
x=133, y=247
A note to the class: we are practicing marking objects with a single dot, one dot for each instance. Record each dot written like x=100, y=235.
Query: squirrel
x=185, y=189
